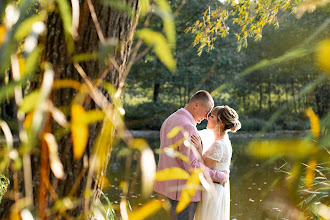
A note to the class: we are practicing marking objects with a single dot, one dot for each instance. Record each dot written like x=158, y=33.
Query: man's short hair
x=201, y=96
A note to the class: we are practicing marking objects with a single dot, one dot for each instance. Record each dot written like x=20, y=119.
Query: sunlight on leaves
x=161, y=46
x=293, y=148
x=174, y=132
x=315, y=122
x=146, y=210
x=189, y=191
x=79, y=131
x=310, y=173
x=171, y=174
x=54, y=160
x=323, y=55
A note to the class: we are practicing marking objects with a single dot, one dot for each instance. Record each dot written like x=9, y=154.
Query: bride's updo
x=229, y=118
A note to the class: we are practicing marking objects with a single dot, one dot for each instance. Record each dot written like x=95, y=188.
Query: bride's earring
x=218, y=128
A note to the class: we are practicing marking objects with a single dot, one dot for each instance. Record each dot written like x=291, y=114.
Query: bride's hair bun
x=229, y=117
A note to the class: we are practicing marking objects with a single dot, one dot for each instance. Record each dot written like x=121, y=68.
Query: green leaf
x=161, y=46
x=26, y=26
x=30, y=101
x=168, y=21
x=66, y=15
x=33, y=61
x=84, y=57
x=145, y=7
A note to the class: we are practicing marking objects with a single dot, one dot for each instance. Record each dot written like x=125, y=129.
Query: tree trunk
x=116, y=25
x=260, y=100
x=270, y=96
x=293, y=96
x=322, y=97
x=156, y=91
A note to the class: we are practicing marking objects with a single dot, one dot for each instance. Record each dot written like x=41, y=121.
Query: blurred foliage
x=271, y=83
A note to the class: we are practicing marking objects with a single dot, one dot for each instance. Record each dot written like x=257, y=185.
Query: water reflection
x=257, y=188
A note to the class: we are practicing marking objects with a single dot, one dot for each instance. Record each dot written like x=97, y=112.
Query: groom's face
x=202, y=111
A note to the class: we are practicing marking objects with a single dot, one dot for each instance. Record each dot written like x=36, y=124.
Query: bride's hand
x=197, y=143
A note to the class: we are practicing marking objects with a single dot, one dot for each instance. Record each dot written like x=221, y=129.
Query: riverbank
x=241, y=134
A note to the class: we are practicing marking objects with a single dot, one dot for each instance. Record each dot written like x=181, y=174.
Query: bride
x=217, y=157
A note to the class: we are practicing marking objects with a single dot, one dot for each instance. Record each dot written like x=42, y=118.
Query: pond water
x=258, y=189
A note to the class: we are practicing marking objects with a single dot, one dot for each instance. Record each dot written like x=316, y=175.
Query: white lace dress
x=210, y=208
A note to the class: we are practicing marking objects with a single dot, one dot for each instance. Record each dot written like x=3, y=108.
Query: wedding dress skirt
x=218, y=208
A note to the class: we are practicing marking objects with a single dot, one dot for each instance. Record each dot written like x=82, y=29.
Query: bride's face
x=212, y=121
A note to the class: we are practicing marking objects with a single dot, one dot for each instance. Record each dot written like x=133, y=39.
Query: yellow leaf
x=171, y=174
x=28, y=120
x=174, y=132
x=146, y=210
x=315, y=122
x=323, y=55
x=79, y=131
x=139, y=143
x=205, y=12
x=93, y=116
x=191, y=187
x=310, y=173
x=293, y=148
x=21, y=63
x=2, y=33
x=67, y=83
x=145, y=7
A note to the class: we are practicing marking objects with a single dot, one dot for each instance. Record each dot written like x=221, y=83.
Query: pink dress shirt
x=171, y=189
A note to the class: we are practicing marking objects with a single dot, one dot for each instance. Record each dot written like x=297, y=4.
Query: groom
x=199, y=106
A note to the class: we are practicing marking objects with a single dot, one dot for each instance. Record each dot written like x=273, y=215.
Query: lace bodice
x=221, y=151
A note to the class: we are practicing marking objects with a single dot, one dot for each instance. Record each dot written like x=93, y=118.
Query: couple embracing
x=214, y=162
